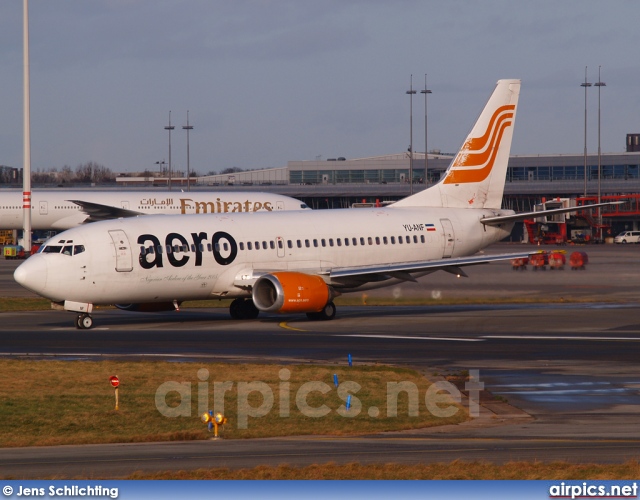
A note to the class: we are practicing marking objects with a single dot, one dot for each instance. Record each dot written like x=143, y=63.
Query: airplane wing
x=98, y=212
x=499, y=219
x=402, y=270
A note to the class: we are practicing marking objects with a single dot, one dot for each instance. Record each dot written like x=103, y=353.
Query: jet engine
x=148, y=307
x=288, y=292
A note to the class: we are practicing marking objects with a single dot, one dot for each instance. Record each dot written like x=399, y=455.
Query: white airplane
x=295, y=261
x=59, y=210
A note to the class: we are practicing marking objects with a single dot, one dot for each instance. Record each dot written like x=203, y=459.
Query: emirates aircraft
x=64, y=209
x=290, y=261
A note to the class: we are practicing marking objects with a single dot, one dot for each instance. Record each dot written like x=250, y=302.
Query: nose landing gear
x=84, y=321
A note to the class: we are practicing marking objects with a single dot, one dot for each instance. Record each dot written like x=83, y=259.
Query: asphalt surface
x=569, y=371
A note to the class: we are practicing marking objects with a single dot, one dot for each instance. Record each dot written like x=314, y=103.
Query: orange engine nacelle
x=288, y=292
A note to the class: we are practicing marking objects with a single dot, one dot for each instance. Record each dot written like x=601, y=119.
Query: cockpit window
x=304, y=206
x=52, y=249
x=64, y=249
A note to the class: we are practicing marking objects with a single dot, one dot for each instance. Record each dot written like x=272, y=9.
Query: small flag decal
x=430, y=227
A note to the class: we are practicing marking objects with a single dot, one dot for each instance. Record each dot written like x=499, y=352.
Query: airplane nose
x=32, y=274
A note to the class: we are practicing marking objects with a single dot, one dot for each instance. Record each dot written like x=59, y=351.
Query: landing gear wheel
x=249, y=310
x=327, y=313
x=235, y=309
x=243, y=309
x=84, y=321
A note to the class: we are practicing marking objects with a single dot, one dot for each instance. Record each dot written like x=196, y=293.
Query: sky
x=266, y=82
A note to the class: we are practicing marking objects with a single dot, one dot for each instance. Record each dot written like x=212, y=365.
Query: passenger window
x=339, y=242
x=249, y=246
x=299, y=243
x=362, y=241
x=315, y=243
x=393, y=240
x=225, y=246
x=257, y=245
x=377, y=240
x=289, y=244
x=354, y=241
x=422, y=238
x=143, y=251
x=208, y=247
x=264, y=245
x=280, y=245
x=408, y=239
x=168, y=249
x=241, y=245
x=370, y=240
x=306, y=243
x=272, y=245
x=384, y=240
x=201, y=246
x=193, y=248
x=415, y=238
x=346, y=242
x=176, y=248
x=159, y=249
x=324, y=243
x=330, y=242
x=150, y=250
x=400, y=240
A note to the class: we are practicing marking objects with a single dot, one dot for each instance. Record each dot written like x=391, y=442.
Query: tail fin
x=476, y=177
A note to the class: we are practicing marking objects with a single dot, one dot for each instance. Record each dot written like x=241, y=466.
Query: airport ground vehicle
x=627, y=237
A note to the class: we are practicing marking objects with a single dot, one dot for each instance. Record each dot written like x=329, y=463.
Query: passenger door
x=449, y=238
x=124, y=260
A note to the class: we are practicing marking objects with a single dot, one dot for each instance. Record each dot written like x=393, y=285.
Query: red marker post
x=115, y=382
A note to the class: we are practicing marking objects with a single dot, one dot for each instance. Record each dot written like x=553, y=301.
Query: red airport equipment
x=557, y=260
x=519, y=264
x=578, y=260
x=539, y=261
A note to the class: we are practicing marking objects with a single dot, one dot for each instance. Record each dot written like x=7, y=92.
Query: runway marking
x=283, y=324
x=375, y=336
x=561, y=337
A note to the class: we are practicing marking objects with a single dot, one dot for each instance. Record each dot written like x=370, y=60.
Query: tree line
x=90, y=172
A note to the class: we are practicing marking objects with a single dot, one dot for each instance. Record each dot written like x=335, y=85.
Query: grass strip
x=44, y=403
x=629, y=470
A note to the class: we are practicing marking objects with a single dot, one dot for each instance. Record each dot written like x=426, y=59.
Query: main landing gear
x=243, y=309
x=246, y=309
x=84, y=321
x=327, y=313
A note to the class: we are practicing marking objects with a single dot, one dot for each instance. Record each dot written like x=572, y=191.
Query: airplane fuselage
x=214, y=256
x=53, y=210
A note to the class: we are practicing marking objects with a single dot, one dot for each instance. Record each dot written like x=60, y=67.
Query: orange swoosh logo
x=481, y=151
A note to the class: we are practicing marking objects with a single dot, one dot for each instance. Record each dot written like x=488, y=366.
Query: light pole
x=161, y=165
x=187, y=128
x=599, y=84
x=426, y=169
x=169, y=128
x=411, y=92
x=585, y=85
x=26, y=134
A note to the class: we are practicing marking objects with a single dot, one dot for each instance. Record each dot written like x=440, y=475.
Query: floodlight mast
x=26, y=167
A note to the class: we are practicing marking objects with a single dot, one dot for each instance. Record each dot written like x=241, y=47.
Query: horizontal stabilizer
x=500, y=219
